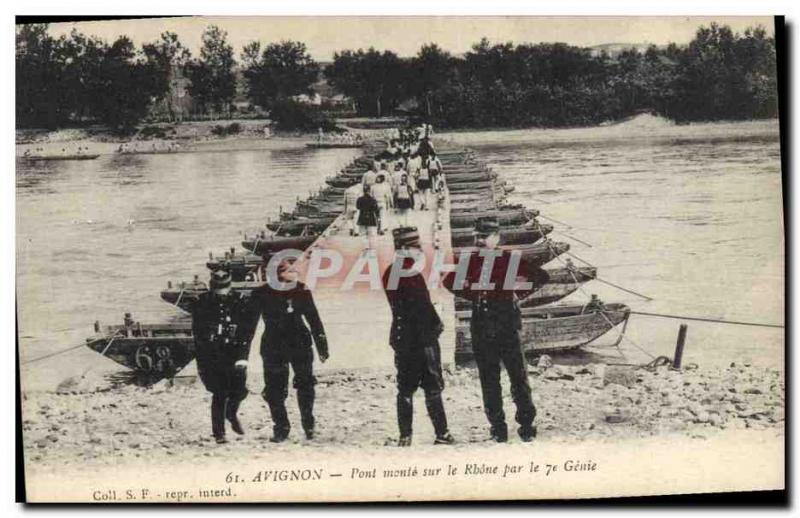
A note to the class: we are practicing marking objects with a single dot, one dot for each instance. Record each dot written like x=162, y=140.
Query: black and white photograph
x=399, y=258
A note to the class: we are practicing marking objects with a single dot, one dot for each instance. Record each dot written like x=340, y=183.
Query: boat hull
x=186, y=296
x=515, y=216
x=65, y=157
x=273, y=244
x=293, y=227
x=558, y=328
x=532, y=256
x=561, y=282
x=508, y=236
x=152, y=352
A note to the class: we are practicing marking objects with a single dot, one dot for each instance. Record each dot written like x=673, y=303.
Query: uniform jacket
x=495, y=311
x=368, y=211
x=223, y=328
x=284, y=313
x=415, y=323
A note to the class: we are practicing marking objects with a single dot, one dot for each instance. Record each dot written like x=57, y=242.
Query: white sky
x=405, y=35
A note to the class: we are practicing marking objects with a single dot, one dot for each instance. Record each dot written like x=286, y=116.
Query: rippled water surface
x=688, y=215
x=101, y=237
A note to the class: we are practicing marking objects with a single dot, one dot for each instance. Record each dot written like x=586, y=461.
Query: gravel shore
x=357, y=410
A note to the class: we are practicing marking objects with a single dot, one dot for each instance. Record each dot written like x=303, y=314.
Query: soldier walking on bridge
x=414, y=336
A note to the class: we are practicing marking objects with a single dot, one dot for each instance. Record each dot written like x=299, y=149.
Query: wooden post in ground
x=678, y=358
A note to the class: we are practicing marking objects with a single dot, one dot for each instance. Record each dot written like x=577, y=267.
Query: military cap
x=220, y=279
x=406, y=236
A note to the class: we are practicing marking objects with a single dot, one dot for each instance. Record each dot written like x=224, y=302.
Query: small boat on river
x=36, y=158
x=185, y=295
x=511, y=235
x=297, y=225
x=263, y=244
x=532, y=256
x=152, y=351
x=505, y=216
x=555, y=328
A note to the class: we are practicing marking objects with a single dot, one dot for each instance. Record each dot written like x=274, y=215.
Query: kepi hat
x=220, y=279
x=406, y=236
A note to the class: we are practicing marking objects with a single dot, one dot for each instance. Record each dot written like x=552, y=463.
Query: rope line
x=72, y=348
x=630, y=340
x=602, y=313
x=180, y=296
x=53, y=354
x=584, y=261
x=714, y=320
x=573, y=238
x=645, y=297
x=556, y=221
x=607, y=282
x=111, y=341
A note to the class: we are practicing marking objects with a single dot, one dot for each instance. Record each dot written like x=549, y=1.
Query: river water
x=688, y=215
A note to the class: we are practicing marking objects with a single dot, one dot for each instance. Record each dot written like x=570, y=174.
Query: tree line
x=77, y=78
x=719, y=75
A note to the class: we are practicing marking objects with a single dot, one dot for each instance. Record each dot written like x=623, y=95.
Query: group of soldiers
x=224, y=323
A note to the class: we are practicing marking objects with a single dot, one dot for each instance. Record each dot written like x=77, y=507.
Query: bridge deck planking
x=357, y=320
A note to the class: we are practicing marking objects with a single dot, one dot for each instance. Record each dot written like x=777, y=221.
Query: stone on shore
x=357, y=410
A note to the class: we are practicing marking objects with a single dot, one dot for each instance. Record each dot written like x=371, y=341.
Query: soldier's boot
x=527, y=432
x=438, y=417
x=405, y=417
x=218, y=417
x=231, y=413
x=279, y=433
x=305, y=400
x=447, y=439
x=280, y=420
x=499, y=432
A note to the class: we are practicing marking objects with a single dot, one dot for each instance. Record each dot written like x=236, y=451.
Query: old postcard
x=345, y=259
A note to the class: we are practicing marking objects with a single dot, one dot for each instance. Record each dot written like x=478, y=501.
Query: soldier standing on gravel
x=287, y=341
x=495, y=326
x=415, y=339
x=223, y=325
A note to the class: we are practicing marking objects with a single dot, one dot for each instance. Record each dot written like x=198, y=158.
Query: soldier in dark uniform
x=495, y=325
x=223, y=324
x=414, y=336
x=287, y=341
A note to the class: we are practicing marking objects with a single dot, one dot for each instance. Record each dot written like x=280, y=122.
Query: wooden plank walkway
x=357, y=316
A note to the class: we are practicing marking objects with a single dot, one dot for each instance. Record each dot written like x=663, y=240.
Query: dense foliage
x=282, y=71
x=77, y=78
x=373, y=79
x=719, y=75
x=212, y=78
x=167, y=57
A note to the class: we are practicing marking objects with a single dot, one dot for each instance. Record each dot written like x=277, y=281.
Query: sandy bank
x=357, y=411
x=190, y=136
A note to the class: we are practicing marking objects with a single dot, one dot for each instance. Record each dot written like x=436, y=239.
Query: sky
x=405, y=35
